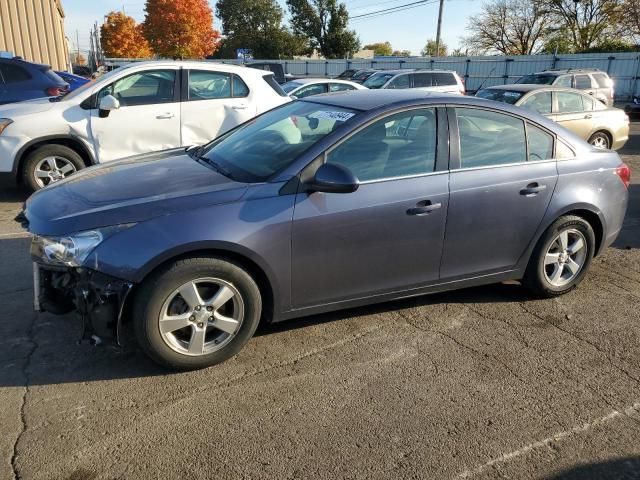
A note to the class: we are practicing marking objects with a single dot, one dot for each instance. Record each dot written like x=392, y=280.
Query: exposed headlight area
x=4, y=123
x=70, y=250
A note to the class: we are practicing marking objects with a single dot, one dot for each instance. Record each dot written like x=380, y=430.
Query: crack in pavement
x=23, y=404
x=583, y=340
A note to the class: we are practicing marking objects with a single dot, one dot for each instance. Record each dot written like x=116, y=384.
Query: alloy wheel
x=52, y=169
x=565, y=257
x=201, y=316
x=600, y=142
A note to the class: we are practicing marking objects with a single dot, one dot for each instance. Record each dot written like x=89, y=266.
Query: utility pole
x=439, y=28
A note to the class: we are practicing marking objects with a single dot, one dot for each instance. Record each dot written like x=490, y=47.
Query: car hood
x=128, y=191
x=27, y=107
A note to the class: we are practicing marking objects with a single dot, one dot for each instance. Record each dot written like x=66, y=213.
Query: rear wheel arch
x=592, y=219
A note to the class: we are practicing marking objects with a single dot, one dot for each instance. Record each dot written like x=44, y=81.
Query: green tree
x=256, y=24
x=401, y=53
x=381, y=49
x=429, y=49
x=324, y=23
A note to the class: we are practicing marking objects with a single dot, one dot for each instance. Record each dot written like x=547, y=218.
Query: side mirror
x=333, y=178
x=108, y=103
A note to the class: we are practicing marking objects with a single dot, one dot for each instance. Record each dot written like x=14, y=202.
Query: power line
x=387, y=11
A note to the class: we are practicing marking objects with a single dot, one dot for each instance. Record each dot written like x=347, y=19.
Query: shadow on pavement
x=619, y=469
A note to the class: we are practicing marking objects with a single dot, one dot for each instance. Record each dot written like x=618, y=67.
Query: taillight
x=624, y=172
x=55, y=91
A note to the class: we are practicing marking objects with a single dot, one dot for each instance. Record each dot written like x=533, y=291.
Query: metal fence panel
x=623, y=68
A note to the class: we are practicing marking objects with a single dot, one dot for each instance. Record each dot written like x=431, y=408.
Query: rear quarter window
x=601, y=79
x=444, y=79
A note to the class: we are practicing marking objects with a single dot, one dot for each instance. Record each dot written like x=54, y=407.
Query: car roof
x=529, y=87
x=372, y=99
x=226, y=67
x=565, y=71
x=413, y=70
x=305, y=81
x=20, y=61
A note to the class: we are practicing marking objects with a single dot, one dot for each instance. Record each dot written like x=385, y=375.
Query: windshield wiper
x=215, y=165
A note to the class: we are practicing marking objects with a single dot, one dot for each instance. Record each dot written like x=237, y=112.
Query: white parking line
x=15, y=235
x=505, y=457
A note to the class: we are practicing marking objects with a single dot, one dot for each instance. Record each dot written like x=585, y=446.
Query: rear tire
x=183, y=330
x=600, y=140
x=561, y=258
x=49, y=164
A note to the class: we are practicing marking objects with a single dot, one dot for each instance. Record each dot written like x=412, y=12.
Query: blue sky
x=407, y=30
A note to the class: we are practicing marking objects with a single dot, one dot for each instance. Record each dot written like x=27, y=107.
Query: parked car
x=592, y=81
x=133, y=109
x=304, y=87
x=276, y=68
x=196, y=247
x=429, y=80
x=601, y=126
x=633, y=108
x=361, y=75
x=347, y=74
x=74, y=81
x=20, y=80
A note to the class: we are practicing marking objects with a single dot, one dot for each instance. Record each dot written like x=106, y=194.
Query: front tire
x=196, y=312
x=561, y=258
x=49, y=164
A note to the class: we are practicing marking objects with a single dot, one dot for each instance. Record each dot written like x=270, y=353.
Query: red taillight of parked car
x=624, y=172
x=55, y=91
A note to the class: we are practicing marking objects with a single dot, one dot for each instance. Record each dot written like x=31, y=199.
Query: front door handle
x=532, y=189
x=165, y=116
x=424, y=208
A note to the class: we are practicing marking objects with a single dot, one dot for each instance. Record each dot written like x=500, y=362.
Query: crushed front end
x=62, y=284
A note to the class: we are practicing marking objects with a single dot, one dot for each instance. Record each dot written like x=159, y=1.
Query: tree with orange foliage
x=180, y=28
x=121, y=37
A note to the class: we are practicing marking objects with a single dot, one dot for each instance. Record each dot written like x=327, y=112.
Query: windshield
x=89, y=85
x=290, y=86
x=263, y=146
x=377, y=80
x=499, y=95
x=537, y=79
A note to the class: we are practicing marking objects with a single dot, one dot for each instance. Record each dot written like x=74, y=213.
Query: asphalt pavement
x=479, y=383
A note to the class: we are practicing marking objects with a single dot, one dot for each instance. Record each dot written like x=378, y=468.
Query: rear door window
x=490, y=138
x=569, y=102
x=540, y=143
x=316, y=89
x=443, y=79
x=208, y=85
x=564, y=81
x=421, y=80
x=401, y=81
x=538, y=102
x=583, y=82
x=339, y=87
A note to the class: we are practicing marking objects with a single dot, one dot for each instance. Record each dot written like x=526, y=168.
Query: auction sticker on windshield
x=332, y=115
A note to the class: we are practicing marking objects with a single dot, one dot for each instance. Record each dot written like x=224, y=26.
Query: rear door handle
x=239, y=107
x=165, y=116
x=588, y=115
x=424, y=208
x=532, y=189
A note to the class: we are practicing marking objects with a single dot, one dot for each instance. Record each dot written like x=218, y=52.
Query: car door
x=387, y=235
x=570, y=113
x=213, y=102
x=500, y=188
x=147, y=120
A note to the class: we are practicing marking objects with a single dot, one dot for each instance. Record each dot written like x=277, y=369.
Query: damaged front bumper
x=97, y=298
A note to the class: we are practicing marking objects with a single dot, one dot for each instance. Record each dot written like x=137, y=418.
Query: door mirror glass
x=108, y=103
x=333, y=178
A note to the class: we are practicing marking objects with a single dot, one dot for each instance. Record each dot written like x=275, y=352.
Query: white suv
x=137, y=108
x=445, y=81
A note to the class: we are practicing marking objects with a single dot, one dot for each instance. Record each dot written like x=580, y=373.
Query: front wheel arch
x=64, y=140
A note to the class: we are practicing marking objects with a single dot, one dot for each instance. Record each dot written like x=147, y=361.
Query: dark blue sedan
x=21, y=80
x=324, y=203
